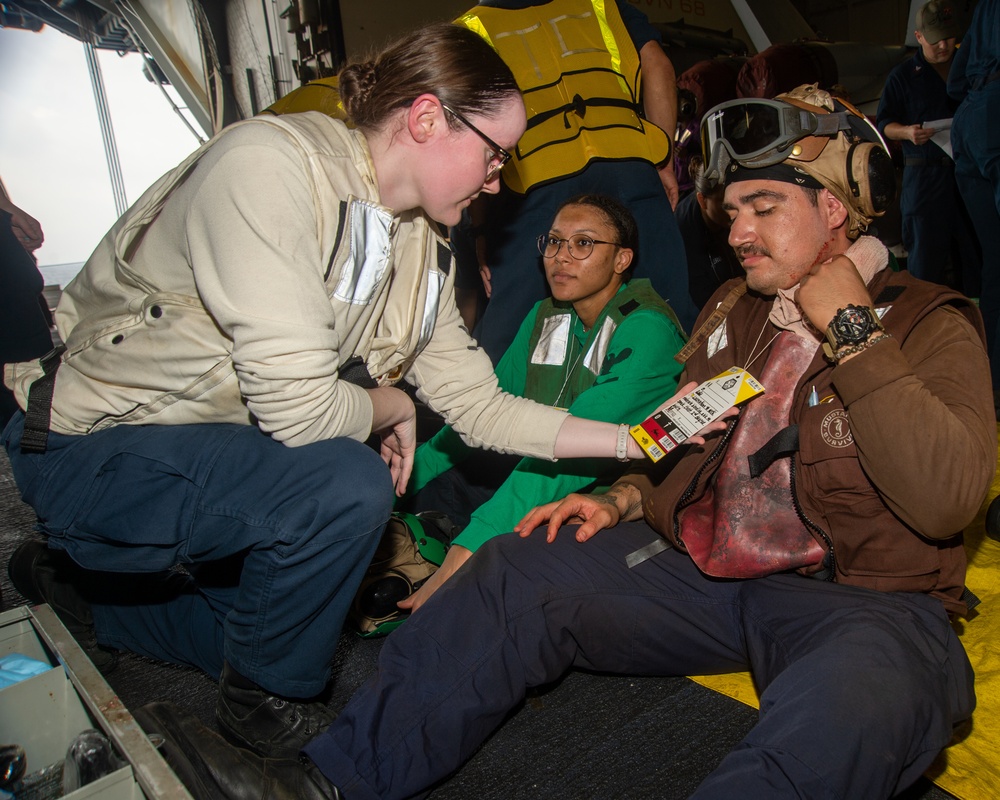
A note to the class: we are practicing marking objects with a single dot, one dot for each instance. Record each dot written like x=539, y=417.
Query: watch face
x=852, y=326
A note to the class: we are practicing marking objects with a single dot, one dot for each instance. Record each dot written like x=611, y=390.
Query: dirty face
x=777, y=231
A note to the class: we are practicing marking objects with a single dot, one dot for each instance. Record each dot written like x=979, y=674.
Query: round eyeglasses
x=579, y=246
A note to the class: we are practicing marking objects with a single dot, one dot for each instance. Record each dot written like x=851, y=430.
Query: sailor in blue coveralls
x=936, y=227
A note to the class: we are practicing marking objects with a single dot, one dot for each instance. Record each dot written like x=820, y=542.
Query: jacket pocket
x=872, y=551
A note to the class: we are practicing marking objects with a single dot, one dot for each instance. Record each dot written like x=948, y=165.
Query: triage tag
x=672, y=424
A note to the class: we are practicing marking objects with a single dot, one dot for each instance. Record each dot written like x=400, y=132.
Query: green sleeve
x=446, y=449
x=642, y=375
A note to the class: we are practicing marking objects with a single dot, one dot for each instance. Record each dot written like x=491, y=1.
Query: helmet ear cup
x=871, y=177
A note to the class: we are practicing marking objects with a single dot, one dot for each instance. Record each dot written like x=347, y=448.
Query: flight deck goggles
x=760, y=133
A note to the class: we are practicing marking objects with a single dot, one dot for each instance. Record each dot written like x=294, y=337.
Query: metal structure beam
x=127, y=26
x=190, y=87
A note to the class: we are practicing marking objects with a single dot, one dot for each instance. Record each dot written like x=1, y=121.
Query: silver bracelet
x=621, y=449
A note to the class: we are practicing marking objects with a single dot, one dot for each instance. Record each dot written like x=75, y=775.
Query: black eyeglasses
x=498, y=156
x=579, y=246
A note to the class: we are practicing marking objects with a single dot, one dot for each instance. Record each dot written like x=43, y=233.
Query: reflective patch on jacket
x=370, y=231
x=594, y=360
x=553, y=344
x=432, y=302
x=718, y=340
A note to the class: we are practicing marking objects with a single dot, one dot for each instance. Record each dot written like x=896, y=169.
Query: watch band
x=621, y=449
x=875, y=338
x=839, y=334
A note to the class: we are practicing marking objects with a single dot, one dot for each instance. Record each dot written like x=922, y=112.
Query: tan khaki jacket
x=236, y=286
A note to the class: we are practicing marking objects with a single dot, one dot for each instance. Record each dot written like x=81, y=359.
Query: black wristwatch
x=850, y=327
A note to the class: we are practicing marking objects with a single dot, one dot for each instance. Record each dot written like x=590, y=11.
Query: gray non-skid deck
x=588, y=736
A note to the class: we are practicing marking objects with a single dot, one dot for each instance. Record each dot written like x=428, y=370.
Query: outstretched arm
x=595, y=512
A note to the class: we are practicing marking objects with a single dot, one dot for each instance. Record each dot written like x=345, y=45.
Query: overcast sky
x=51, y=152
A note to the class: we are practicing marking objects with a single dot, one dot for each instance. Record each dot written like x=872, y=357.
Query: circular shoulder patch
x=836, y=430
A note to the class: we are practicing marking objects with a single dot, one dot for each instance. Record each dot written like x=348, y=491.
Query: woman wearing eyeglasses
x=602, y=347
x=202, y=410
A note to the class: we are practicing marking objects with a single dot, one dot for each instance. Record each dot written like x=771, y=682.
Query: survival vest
x=559, y=370
x=579, y=74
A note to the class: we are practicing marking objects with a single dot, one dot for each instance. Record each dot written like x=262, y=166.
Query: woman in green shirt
x=601, y=346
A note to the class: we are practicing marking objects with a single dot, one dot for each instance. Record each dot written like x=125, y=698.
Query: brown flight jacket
x=893, y=462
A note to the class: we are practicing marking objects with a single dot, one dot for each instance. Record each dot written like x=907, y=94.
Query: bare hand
x=27, y=230
x=829, y=287
x=595, y=512
x=394, y=420
x=399, y=443
x=669, y=180
x=918, y=134
x=487, y=276
x=457, y=555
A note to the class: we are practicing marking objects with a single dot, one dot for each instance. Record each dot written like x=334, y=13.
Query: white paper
x=674, y=423
x=942, y=135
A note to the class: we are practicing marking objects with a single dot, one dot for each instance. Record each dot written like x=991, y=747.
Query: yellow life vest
x=578, y=71
x=319, y=95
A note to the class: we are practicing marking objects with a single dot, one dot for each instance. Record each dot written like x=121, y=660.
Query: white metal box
x=46, y=712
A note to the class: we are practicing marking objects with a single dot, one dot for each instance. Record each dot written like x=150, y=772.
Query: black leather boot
x=211, y=768
x=270, y=726
x=50, y=576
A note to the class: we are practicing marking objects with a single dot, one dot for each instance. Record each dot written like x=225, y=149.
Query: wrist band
x=850, y=351
x=621, y=449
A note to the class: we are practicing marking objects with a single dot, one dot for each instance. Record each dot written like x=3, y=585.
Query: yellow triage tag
x=672, y=424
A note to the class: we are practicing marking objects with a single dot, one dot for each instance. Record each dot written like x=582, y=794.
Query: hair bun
x=356, y=83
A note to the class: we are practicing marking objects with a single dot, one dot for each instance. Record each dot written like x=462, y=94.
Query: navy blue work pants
x=300, y=524
x=859, y=689
x=937, y=228
x=975, y=140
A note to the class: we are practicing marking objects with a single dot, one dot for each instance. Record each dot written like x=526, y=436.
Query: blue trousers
x=937, y=228
x=277, y=540
x=976, y=144
x=514, y=222
x=859, y=689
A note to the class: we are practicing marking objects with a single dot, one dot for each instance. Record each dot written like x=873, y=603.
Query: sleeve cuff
x=870, y=370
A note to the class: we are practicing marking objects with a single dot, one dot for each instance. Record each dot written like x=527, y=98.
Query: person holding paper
x=975, y=82
x=818, y=546
x=915, y=106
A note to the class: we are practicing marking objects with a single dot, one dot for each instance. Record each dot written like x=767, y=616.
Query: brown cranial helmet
x=852, y=164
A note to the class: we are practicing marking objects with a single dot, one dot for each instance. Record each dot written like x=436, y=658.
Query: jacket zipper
x=810, y=525
x=697, y=476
